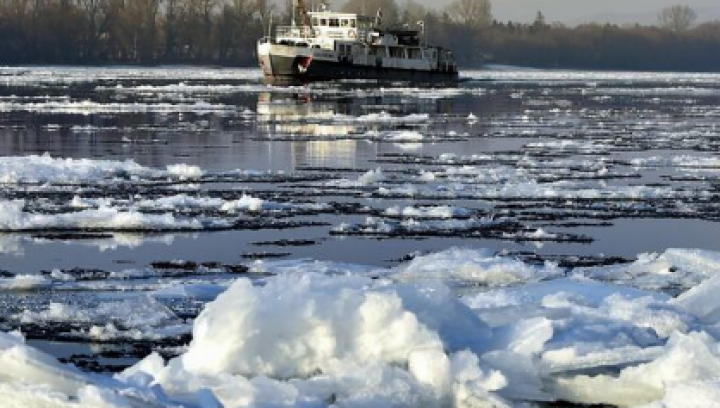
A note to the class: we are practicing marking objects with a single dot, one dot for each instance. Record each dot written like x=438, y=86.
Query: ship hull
x=288, y=67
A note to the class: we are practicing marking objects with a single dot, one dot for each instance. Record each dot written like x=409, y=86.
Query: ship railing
x=294, y=32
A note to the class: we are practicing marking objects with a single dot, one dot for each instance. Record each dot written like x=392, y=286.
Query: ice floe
x=361, y=336
x=47, y=169
x=140, y=317
x=480, y=267
x=442, y=211
x=13, y=217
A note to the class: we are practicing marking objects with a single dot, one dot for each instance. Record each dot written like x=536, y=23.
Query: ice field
x=189, y=237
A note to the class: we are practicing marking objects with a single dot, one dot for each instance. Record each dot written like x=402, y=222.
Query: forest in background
x=224, y=32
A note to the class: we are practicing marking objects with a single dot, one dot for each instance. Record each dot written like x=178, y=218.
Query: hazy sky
x=576, y=11
x=582, y=10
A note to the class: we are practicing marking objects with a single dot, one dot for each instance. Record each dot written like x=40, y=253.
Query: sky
x=576, y=11
x=581, y=11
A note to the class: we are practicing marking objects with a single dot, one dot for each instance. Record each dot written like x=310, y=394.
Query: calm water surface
x=123, y=114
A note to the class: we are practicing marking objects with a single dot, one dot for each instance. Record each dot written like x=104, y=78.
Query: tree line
x=224, y=32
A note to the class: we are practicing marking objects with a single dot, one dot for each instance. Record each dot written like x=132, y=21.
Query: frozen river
x=573, y=214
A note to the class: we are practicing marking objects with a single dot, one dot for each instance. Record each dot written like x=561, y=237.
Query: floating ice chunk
x=702, y=301
x=245, y=203
x=411, y=226
x=479, y=266
x=522, y=375
x=371, y=177
x=185, y=172
x=678, y=161
x=403, y=136
x=80, y=202
x=298, y=266
x=583, y=357
x=340, y=338
x=22, y=364
x=427, y=176
x=59, y=275
x=384, y=117
x=113, y=332
x=601, y=389
x=528, y=337
x=571, y=145
x=585, y=292
x=41, y=169
x=199, y=291
x=180, y=201
x=142, y=372
x=11, y=245
x=409, y=146
x=88, y=107
x=690, y=394
x=63, y=171
x=675, y=268
x=442, y=211
x=472, y=385
x=31, y=378
x=24, y=282
x=14, y=218
x=538, y=234
x=313, y=322
x=436, y=306
x=687, y=358
x=139, y=318
x=648, y=312
x=139, y=311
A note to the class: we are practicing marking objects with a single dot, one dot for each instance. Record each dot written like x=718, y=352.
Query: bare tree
x=412, y=11
x=237, y=31
x=170, y=29
x=99, y=16
x=472, y=13
x=677, y=18
x=265, y=11
x=388, y=9
x=139, y=31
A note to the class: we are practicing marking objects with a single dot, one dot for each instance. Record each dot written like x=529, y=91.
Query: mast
x=292, y=13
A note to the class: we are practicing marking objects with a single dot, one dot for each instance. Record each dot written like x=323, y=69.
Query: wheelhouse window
x=323, y=22
x=315, y=21
x=334, y=22
x=414, y=53
x=396, y=52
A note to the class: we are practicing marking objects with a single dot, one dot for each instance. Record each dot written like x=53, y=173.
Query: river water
x=569, y=166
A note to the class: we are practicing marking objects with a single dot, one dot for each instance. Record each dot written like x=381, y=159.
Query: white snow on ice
x=358, y=336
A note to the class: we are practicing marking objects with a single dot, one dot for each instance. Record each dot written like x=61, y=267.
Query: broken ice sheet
x=533, y=334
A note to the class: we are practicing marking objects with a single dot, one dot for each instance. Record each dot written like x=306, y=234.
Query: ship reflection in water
x=302, y=118
x=327, y=132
